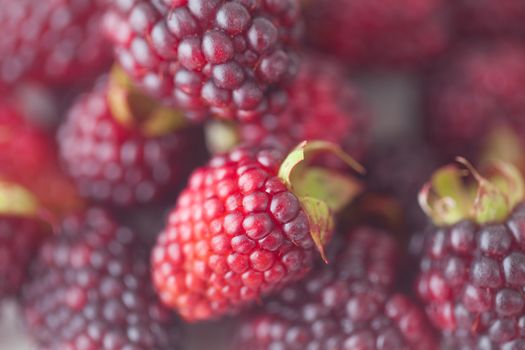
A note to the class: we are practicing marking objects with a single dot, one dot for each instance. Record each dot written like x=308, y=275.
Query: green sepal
x=134, y=109
x=322, y=192
x=329, y=186
x=450, y=198
x=321, y=222
x=221, y=136
x=16, y=200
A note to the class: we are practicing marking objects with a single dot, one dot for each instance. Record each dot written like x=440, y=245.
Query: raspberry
x=472, y=93
x=90, y=289
x=227, y=57
x=122, y=162
x=239, y=232
x=56, y=42
x=322, y=105
x=471, y=277
x=364, y=32
x=20, y=238
x=491, y=17
x=349, y=305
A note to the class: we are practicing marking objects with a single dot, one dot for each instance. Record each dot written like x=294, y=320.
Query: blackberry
x=471, y=277
x=230, y=58
x=399, y=33
x=57, y=42
x=90, y=289
x=349, y=305
x=120, y=149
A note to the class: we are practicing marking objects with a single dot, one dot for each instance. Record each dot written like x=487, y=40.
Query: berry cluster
x=171, y=162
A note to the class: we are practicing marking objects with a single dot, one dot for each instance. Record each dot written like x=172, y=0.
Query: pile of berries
x=165, y=163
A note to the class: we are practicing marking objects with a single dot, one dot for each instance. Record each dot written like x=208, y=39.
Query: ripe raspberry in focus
x=347, y=305
x=488, y=17
x=322, y=105
x=471, y=278
x=473, y=92
x=228, y=57
x=238, y=232
x=56, y=42
x=90, y=289
x=124, y=162
x=395, y=33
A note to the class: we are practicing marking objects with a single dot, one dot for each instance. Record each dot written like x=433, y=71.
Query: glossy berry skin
x=119, y=165
x=349, y=305
x=20, y=238
x=236, y=233
x=397, y=33
x=504, y=17
x=90, y=289
x=56, y=42
x=322, y=105
x=227, y=57
x=471, y=281
x=473, y=92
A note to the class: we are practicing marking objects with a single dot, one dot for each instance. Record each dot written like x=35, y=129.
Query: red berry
x=90, y=289
x=241, y=229
x=347, y=305
x=235, y=234
x=472, y=93
x=52, y=41
x=227, y=57
x=364, y=32
x=121, y=162
x=322, y=105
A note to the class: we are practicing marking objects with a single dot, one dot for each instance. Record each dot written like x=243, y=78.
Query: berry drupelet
x=474, y=92
x=90, y=289
x=473, y=262
x=349, y=305
x=56, y=42
x=122, y=148
x=246, y=224
x=228, y=57
x=399, y=33
x=322, y=105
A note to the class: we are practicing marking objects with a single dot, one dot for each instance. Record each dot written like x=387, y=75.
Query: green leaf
x=321, y=222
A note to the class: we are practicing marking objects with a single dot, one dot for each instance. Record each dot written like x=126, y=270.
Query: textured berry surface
x=118, y=164
x=52, y=41
x=322, y=105
x=345, y=306
x=362, y=32
x=488, y=17
x=236, y=234
x=90, y=289
x=472, y=280
x=230, y=57
x=474, y=91
x=19, y=240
